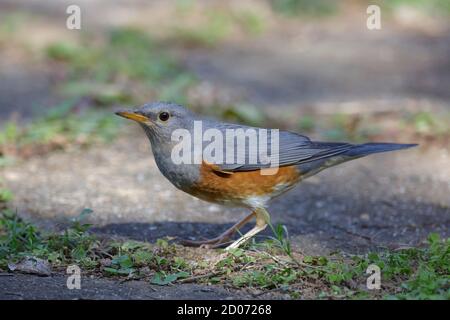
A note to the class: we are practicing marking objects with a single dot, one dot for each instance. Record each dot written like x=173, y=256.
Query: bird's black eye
x=164, y=116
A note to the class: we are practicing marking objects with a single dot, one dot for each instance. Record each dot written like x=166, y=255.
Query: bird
x=245, y=184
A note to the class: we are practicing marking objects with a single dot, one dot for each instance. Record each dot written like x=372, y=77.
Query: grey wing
x=293, y=149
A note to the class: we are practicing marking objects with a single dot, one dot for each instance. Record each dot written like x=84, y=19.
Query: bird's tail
x=361, y=150
x=353, y=152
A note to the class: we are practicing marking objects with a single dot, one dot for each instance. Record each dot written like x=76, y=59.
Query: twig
x=130, y=279
x=268, y=291
x=194, y=278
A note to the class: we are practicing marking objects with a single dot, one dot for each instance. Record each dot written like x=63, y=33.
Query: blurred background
x=303, y=65
x=280, y=62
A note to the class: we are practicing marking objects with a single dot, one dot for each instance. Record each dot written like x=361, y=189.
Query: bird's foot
x=221, y=240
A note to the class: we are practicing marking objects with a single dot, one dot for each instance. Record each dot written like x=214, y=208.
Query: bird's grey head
x=160, y=119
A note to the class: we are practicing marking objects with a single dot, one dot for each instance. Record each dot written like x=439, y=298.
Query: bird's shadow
x=341, y=230
x=326, y=235
x=150, y=232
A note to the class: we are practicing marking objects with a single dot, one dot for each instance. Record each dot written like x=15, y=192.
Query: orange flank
x=221, y=186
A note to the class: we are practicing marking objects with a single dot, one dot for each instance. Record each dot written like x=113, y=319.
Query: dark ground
x=20, y=286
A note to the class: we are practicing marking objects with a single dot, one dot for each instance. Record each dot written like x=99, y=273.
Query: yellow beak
x=132, y=116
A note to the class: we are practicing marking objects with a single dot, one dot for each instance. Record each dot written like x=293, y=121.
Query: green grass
x=128, y=66
x=434, y=7
x=418, y=273
x=10, y=24
x=415, y=273
x=19, y=239
x=217, y=26
x=126, y=52
x=58, y=128
x=340, y=127
x=400, y=126
x=242, y=113
x=250, y=22
x=5, y=195
x=320, y=8
x=428, y=123
x=426, y=272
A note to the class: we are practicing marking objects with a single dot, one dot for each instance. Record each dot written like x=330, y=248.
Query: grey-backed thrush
x=247, y=184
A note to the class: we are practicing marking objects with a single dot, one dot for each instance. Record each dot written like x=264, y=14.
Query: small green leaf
x=111, y=270
x=160, y=279
x=236, y=252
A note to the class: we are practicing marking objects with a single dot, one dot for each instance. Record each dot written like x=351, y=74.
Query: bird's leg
x=221, y=239
x=262, y=219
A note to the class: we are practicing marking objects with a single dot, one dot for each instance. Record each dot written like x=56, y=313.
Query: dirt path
x=386, y=199
x=29, y=287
